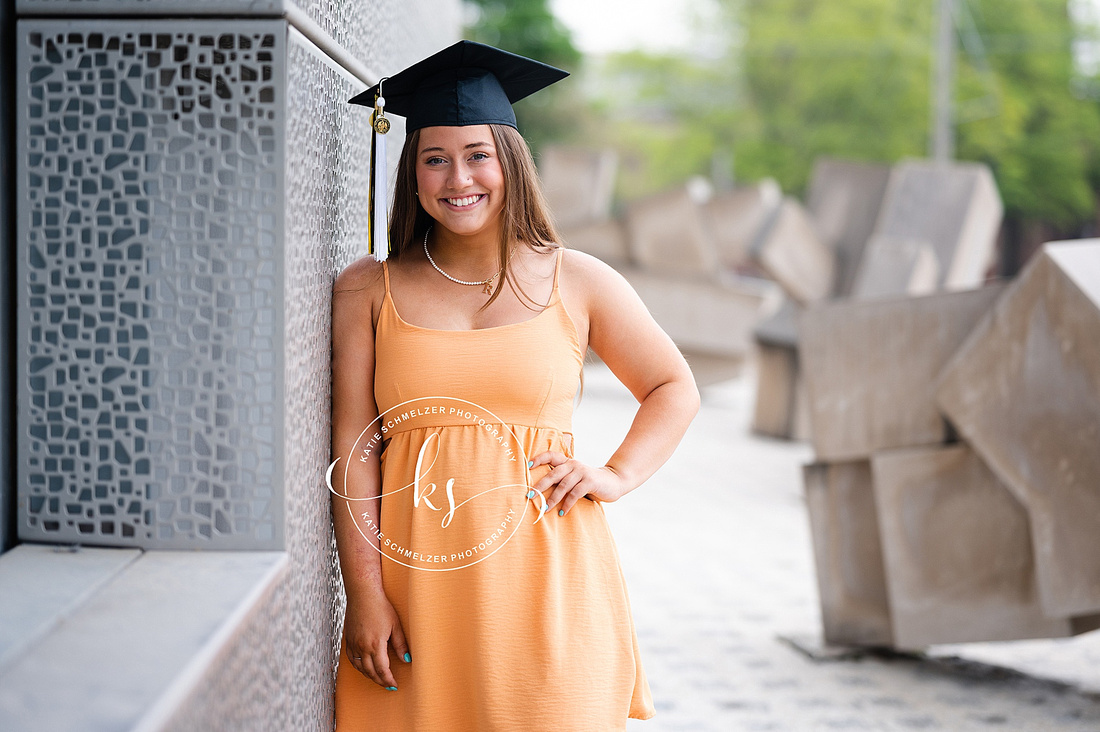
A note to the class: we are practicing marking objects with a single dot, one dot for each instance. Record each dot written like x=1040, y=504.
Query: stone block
x=871, y=366
x=708, y=317
x=578, y=182
x=734, y=217
x=604, y=240
x=790, y=250
x=801, y=428
x=666, y=235
x=957, y=551
x=955, y=207
x=781, y=409
x=776, y=384
x=855, y=610
x=892, y=266
x=1024, y=390
x=780, y=328
x=844, y=199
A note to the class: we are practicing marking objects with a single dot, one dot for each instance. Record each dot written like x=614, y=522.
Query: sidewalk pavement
x=717, y=555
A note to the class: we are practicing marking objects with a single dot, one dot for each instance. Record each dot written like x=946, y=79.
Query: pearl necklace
x=486, y=284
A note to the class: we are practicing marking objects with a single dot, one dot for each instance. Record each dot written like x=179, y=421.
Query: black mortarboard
x=465, y=84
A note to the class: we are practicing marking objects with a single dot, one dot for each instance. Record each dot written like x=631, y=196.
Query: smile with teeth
x=464, y=201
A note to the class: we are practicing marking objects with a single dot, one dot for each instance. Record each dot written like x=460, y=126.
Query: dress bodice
x=497, y=369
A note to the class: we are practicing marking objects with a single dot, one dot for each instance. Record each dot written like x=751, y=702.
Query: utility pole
x=942, y=139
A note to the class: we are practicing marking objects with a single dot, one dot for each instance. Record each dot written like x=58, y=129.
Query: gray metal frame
x=8, y=531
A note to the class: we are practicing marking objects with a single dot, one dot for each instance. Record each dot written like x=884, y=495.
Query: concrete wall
x=189, y=187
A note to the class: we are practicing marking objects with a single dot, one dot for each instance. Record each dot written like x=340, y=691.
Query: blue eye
x=434, y=161
x=479, y=156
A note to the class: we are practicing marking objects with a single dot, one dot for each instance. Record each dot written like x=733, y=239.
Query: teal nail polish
x=530, y=463
x=408, y=658
x=391, y=688
x=530, y=494
x=545, y=508
x=561, y=512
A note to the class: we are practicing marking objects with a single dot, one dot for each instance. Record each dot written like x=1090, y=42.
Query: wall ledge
x=118, y=638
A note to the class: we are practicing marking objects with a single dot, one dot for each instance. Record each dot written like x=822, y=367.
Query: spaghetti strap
x=386, y=275
x=557, y=268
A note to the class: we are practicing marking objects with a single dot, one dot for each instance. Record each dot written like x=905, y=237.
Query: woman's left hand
x=570, y=480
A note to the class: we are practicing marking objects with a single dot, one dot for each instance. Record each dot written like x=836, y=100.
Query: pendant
x=488, y=288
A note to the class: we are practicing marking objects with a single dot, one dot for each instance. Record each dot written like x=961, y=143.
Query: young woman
x=484, y=591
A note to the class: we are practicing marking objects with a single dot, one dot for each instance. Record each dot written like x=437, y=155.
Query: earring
x=416, y=193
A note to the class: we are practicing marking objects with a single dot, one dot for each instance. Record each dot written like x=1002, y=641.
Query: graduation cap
x=465, y=84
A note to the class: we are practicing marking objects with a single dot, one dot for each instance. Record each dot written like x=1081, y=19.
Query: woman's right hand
x=371, y=628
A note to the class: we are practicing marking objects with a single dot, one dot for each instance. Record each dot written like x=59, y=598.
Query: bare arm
x=371, y=624
x=642, y=356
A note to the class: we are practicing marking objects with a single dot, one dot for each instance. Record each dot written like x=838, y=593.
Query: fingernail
x=561, y=512
x=408, y=658
x=530, y=494
x=391, y=688
x=530, y=463
x=545, y=508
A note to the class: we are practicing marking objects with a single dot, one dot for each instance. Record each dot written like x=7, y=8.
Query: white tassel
x=381, y=230
x=379, y=185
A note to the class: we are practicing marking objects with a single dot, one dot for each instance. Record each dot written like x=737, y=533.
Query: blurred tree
x=1042, y=141
x=852, y=79
x=800, y=79
x=667, y=115
x=529, y=28
x=848, y=79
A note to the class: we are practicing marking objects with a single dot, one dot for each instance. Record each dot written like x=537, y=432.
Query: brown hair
x=525, y=216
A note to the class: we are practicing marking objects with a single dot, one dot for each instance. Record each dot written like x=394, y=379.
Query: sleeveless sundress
x=513, y=623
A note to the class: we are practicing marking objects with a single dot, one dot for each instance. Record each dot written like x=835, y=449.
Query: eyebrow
x=471, y=145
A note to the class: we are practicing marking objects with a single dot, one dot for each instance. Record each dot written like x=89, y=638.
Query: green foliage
x=1042, y=142
x=844, y=79
x=528, y=28
x=666, y=115
x=853, y=79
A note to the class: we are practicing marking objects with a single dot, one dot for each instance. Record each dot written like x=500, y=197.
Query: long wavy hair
x=525, y=216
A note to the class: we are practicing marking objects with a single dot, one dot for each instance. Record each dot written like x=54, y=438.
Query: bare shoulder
x=357, y=294
x=364, y=274
x=593, y=280
x=588, y=272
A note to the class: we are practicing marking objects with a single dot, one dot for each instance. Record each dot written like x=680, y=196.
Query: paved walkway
x=716, y=549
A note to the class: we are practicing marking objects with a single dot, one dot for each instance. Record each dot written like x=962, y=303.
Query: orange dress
x=516, y=619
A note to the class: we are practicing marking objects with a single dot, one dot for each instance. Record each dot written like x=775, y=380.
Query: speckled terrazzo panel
x=326, y=222
x=253, y=683
x=150, y=282
x=386, y=35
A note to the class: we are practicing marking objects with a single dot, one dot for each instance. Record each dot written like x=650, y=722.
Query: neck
x=472, y=257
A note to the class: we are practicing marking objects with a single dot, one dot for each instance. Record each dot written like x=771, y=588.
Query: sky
x=603, y=26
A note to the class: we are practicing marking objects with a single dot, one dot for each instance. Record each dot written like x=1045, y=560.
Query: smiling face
x=460, y=182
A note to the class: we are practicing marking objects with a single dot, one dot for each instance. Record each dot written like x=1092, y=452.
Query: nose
x=460, y=175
